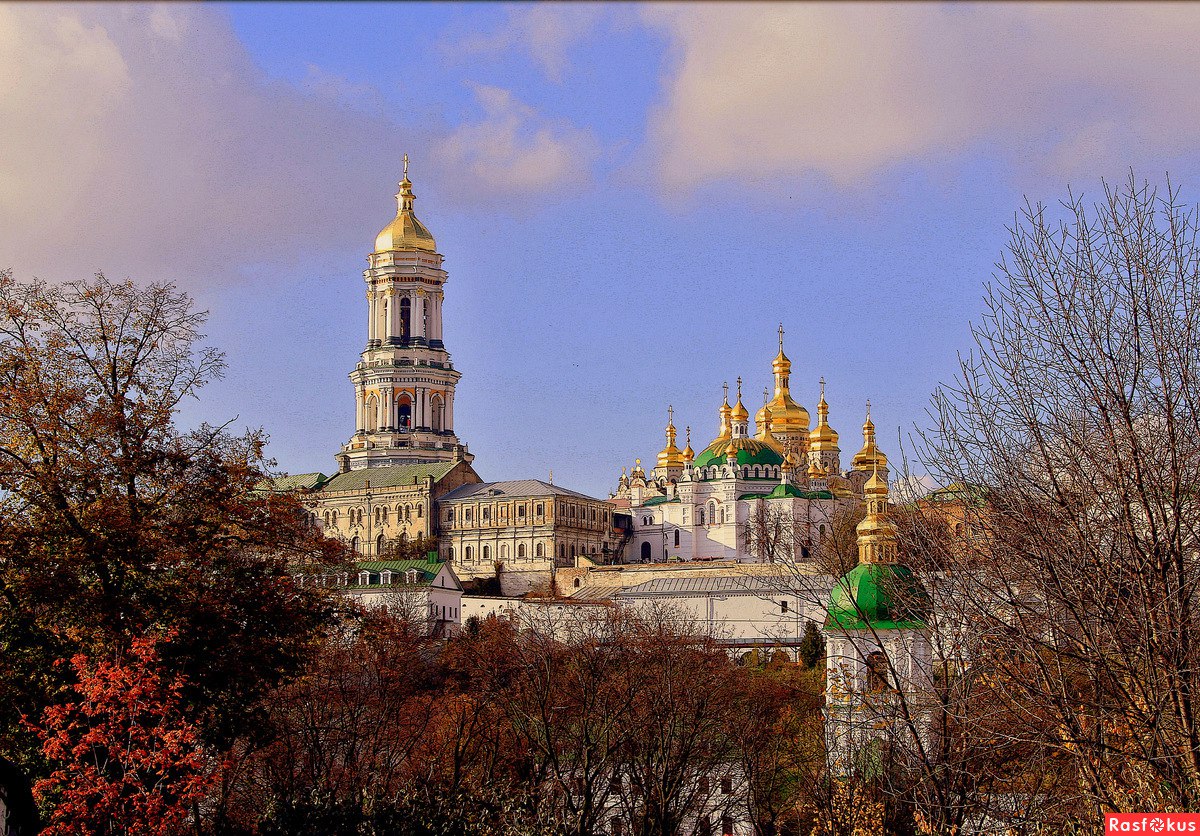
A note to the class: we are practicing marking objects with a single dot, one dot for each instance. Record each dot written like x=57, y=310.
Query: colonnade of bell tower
x=404, y=382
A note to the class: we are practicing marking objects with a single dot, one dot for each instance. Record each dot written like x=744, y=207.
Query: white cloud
x=513, y=152
x=143, y=140
x=844, y=91
x=546, y=32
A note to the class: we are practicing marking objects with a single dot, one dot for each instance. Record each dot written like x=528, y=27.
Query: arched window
x=646, y=552
x=404, y=412
x=541, y=550
x=405, y=319
x=578, y=583
x=677, y=538
x=722, y=515
x=403, y=536
x=503, y=551
x=450, y=553
x=562, y=551
x=821, y=529
x=379, y=543
x=712, y=513
x=521, y=550
x=572, y=550
x=437, y=409
x=468, y=553
x=700, y=516
x=487, y=552
x=372, y=422
x=877, y=672
x=354, y=545
x=419, y=513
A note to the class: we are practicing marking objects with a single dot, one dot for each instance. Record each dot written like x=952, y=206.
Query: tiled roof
x=520, y=487
x=387, y=477
x=293, y=482
x=718, y=583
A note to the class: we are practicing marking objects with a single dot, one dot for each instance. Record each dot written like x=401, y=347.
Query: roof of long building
x=393, y=476
x=517, y=488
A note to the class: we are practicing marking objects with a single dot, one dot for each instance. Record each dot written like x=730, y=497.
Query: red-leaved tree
x=125, y=758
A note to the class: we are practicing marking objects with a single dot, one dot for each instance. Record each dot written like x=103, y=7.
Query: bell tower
x=404, y=382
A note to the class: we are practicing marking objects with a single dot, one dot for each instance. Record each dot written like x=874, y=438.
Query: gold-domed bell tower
x=671, y=458
x=404, y=383
x=823, y=449
x=789, y=420
x=739, y=416
x=876, y=533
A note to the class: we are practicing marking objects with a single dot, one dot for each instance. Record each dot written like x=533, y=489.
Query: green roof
x=388, y=477
x=659, y=500
x=292, y=482
x=783, y=491
x=879, y=596
x=426, y=570
x=751, y=451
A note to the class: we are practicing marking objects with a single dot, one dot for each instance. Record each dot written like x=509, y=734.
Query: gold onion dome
x=788, y=418
x=688, y=453
x=870, y=457
x=671, y=456
x=739, y=411
x=823, y=437
x=405, y=232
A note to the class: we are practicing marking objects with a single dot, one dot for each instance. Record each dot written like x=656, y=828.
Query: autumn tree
x=1078, y=417
x=125, y=759
x=115, y=524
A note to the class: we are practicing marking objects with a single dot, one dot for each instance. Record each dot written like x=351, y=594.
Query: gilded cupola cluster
x=782, y=447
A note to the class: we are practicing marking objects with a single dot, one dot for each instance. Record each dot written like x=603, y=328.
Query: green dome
x=750, y=451
x=882, y=596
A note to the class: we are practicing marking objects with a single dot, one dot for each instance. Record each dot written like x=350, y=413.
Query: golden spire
x=870, y=457
x=823, y=437
x=739, y=411
x=670, y=455
x=789, y=420
x=726, y=430
x=405, y=232
x=688, y=453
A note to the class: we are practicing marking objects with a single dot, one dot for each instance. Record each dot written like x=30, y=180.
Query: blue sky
x=630, y=198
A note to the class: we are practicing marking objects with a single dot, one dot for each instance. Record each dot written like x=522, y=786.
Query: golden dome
x=870, y=457
x=739, y=411
x=405, y=232
x=788, y=418
x=815, y=471
x=823, y=437
x=670, y=455
x=688, y=453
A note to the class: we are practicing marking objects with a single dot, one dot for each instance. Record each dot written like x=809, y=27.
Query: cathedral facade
x=766, y=497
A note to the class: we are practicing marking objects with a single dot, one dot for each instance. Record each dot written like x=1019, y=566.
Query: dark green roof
x=293, y=482
x=426, y=570
x=878, y=596
x=388, y=477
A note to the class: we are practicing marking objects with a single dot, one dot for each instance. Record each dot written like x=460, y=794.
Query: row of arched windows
x=383, y=515
x=401, y=416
